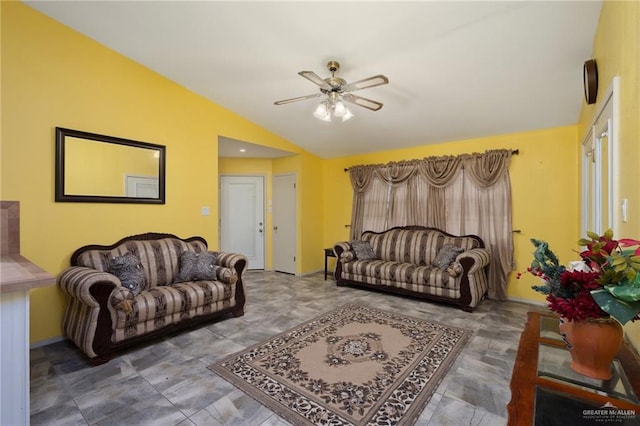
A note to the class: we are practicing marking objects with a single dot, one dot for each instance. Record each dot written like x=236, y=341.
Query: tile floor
x=166, y=382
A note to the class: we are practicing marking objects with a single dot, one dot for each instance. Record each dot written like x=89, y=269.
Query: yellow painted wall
x=616, y=50
x=53, y=76
x=311, y=198
x=544, y=186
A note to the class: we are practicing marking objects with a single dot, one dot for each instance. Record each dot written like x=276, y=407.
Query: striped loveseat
x=403, y=260
x=102, y=316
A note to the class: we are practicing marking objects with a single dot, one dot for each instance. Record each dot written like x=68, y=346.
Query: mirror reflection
x=98, y=168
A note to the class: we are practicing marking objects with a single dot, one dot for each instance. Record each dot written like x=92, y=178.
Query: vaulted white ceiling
x=457, y=70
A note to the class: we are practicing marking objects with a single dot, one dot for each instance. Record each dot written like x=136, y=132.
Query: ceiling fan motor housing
x=336, y=83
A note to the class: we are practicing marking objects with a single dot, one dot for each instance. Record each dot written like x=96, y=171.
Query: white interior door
x=284, y=223
x=142, y=186
x=242, y=217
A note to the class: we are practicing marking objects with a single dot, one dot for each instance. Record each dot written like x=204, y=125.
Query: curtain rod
x=514, y=152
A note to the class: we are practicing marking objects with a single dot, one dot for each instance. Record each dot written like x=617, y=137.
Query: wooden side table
x=328, y=252
x=545, y=391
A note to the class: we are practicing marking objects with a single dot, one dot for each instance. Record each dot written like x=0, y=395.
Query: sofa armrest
x=340, y=248
x=77, y=282
x=237, y=263
x=234, y=261
x=86, y=320
x=474, y=259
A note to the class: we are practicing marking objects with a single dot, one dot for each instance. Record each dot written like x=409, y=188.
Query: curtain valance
x=484, y=168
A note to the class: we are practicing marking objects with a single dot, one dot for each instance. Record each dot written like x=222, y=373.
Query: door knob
x=275, y=228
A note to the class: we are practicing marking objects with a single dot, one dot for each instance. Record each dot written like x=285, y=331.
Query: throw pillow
x=122, y=299
x=446, y=255
x=362, y=250
x=455, y=269
x=347, y=256
x=128, y=269
x=196, y=266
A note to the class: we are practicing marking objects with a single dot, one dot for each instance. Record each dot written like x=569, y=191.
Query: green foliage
x=546, y=265
x=619, y=273
x=619, y=309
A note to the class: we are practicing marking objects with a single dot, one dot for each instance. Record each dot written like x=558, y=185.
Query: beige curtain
x=360, y=180
x=466, y=194
x=376, y=203
x=396, y=177
x=434, y=175
x=487, y=201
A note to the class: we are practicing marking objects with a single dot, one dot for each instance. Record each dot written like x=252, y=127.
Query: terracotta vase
x=593, y=344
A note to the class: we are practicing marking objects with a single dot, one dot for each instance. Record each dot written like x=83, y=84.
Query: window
x=598, y=156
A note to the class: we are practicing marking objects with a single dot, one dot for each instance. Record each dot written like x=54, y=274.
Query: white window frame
x=605, y=122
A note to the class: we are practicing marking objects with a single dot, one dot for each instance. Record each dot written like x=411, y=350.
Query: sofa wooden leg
x=467, y=308
x=238, y=313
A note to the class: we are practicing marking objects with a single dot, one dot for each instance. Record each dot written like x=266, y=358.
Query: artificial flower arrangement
x=606, y=282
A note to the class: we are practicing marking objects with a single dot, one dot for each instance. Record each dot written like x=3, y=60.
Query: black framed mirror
x=95, y=168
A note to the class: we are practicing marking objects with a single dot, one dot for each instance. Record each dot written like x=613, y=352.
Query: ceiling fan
x=336, y=91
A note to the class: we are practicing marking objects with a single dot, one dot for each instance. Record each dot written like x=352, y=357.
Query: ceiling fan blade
x=363, y=102
x=376, y=80
x=300, y=98
x=315, y=79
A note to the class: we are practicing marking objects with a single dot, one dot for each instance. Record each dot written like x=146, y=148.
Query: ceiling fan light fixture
x=321, y=109
x=327, y=118
x=322, y=112
x=332, y=106
x=348, y=115
x=339, y=109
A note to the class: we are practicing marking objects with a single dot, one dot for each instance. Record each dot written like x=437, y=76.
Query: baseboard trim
x=46, y=342
x=304, y=274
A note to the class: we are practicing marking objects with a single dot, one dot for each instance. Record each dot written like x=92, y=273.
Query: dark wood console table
x=545, y=391
x=328, y=252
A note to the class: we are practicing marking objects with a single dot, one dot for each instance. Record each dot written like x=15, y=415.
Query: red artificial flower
x=580, y=307
x=577, y=281
x=628, y=242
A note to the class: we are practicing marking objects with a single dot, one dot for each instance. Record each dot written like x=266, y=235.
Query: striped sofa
x=102, y=316
x=403, y=260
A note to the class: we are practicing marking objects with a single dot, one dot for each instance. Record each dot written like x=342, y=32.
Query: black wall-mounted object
x=590, y=81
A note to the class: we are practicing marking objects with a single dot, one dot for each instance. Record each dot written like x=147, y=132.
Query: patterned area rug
x=352, y=366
